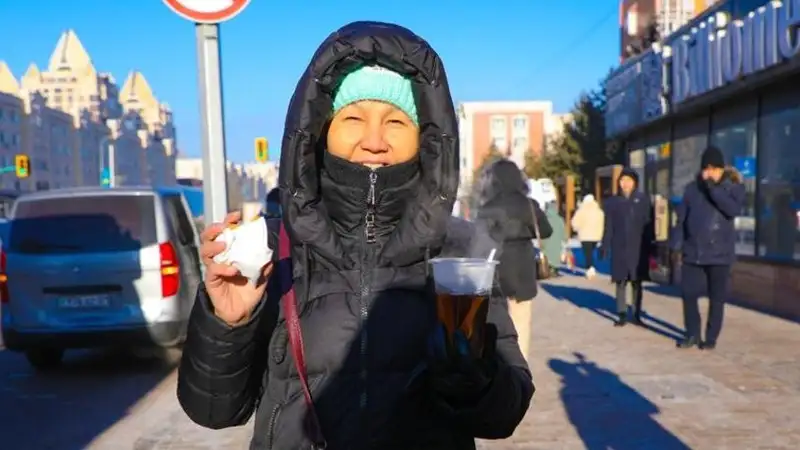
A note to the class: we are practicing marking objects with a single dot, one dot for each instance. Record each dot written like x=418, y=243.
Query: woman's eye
x=396, y=122
x=352, y=118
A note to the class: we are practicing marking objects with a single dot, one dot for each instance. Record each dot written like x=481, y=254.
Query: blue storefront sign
x=719, y=50
x=746, y=165
x=712, y=52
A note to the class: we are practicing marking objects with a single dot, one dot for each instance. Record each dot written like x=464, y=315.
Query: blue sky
x=505, y=50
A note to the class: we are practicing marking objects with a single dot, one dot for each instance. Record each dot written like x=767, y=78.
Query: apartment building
x=154, y=125
x=514, y=128
x=11, y=125
x=635, y=16
x=69, y=118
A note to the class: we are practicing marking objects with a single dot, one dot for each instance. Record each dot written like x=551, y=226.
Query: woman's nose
x=373, y=140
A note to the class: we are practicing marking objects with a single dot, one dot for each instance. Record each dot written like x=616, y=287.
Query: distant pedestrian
x=508, y=215
x=273, y=204
x=514, y=220
x=553, y=246
x=703, y=240
x=628, y=236
x=588, y=222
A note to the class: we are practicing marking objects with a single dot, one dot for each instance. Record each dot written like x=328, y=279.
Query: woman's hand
x=233, y=297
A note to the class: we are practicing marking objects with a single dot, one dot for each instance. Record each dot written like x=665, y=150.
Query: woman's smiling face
x=374, y=134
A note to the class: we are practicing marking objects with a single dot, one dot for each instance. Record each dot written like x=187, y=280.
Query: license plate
x=84, y=302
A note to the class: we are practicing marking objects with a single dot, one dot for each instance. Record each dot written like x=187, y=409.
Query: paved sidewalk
x=606, y=388
x=598, y=387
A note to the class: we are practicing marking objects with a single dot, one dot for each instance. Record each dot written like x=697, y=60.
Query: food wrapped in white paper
x=246, y=248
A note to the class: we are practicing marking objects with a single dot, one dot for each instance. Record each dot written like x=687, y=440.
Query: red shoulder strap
x=289, y=306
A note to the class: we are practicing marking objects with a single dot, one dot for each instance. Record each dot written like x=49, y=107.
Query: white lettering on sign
x=718, y=52
x=207, y=6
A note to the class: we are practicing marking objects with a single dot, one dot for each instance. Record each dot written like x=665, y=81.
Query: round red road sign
x=207, y=11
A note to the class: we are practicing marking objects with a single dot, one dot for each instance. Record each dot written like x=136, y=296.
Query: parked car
x=93, y=267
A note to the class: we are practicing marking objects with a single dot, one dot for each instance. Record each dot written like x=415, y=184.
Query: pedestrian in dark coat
x=273, y=204
x=704, y=239
x=508, y=214
x=368, y=178
x=628, y=237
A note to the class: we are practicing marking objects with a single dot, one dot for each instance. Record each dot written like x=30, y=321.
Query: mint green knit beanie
x=376, y=83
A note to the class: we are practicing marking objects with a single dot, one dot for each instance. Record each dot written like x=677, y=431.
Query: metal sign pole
x=215, y=186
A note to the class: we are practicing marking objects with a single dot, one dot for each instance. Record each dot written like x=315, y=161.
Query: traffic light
x=262, y=149
x=105, y=177
x=23, y=166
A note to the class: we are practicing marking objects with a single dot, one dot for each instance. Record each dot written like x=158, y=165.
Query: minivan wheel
x=45, y=358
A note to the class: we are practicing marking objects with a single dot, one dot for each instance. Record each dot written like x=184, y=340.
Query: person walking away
x=588, y=222
x=273, y=204
x=628, y=237
x=704, y=240
x=554, y=245
x=508, y=215
x=368, y=178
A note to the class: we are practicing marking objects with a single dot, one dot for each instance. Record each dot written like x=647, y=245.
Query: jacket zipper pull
x=369, y=219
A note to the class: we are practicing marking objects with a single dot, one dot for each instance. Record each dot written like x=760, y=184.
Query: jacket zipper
x=273, y=419
x=369, y=239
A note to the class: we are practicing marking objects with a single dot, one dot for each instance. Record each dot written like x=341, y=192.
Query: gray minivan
x=94, y=267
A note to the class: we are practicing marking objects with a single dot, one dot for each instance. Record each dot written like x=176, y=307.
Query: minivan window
x=89, y=224
x=181, y=224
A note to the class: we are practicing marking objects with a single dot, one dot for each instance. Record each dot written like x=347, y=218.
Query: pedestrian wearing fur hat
x=703, y=242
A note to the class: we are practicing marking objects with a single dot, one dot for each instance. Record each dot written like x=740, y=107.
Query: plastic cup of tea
x=463, y=288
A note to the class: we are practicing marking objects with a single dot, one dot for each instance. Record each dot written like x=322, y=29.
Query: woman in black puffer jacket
x=368, y=177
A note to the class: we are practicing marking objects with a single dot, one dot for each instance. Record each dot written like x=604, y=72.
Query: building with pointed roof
x=69, y=117
x=11, y=123
x=99, y=119
x=136, y=96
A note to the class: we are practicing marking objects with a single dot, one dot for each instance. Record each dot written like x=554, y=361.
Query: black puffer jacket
x=366, y=308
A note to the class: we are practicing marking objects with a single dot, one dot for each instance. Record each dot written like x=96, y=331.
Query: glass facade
x=734, y=130
x=779, y=175
x=691, y=138
x=759, y=136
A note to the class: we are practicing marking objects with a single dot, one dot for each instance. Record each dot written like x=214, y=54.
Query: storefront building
x=729, y=78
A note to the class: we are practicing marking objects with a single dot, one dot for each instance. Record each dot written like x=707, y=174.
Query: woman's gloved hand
x=456, y=375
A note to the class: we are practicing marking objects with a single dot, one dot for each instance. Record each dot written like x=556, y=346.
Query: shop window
x=637, y=160
x=657, y=182
x=657, y=170
x=779, y=175
x=734, y=131
x=691, y=138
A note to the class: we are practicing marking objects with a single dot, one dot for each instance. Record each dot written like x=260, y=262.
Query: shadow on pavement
x=604, y=306
x=674, y=291
x=69, y=407
x=607, y=413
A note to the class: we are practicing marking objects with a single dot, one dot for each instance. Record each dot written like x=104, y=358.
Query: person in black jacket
x=704, y=239
x=507, y=214
x=273, y=204
x=628, y=236
x=368, y=178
